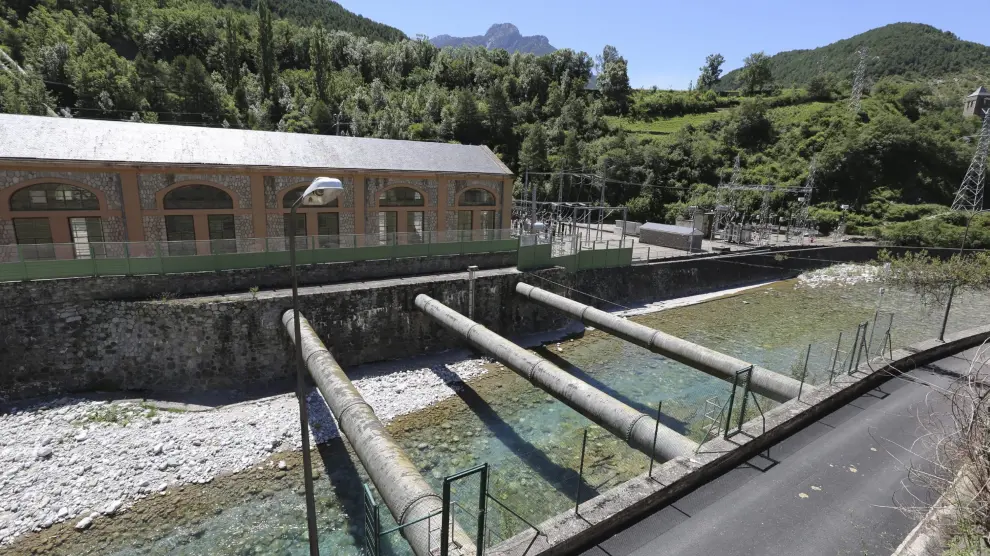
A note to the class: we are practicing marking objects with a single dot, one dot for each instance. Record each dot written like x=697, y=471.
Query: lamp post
x=321, y=192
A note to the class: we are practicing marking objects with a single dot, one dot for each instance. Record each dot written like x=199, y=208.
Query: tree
x=319, y=55
x=533, y=155
x=500, y=117
x=468, y=127
x=756, y=73
x=231, y=54
x=266, y=51
x=820, y=87
x=749, y=126
x=104, y=80
x=711, y=72
x=613, y=81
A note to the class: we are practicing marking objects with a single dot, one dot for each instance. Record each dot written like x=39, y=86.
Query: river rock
x=112, y=507
x=84, y=523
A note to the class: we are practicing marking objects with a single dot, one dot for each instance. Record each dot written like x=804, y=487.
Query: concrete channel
x=635, y=428
x=763, y=381
x=406, y=493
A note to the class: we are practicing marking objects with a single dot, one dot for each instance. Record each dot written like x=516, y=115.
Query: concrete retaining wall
x=76, y=335
x=155, y=286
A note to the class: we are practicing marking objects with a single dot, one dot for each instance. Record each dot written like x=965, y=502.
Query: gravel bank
x=76, y=459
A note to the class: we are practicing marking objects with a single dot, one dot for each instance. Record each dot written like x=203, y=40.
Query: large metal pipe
x=405, y=492
x=763, y=381
x=634, y=427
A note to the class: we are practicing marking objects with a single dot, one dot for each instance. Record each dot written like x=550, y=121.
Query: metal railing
x=822, y=362
x=65, y=260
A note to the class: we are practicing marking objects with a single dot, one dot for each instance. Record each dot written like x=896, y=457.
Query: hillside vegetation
x=193, y=62
x=908, y=50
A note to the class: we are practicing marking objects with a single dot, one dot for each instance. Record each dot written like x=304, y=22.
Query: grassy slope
x=662, y=126
x=911, y=50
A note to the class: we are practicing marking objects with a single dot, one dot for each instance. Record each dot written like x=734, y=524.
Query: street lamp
x=321, y=192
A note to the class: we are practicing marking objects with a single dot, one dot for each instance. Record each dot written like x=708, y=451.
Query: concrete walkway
x=834, y=490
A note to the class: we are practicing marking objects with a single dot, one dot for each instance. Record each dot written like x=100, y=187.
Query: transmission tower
x=736, y=172
x=805, y=200
x=724, y=209
x=970, y=194
x=859, y=81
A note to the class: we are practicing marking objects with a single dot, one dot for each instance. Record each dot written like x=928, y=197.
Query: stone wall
x=52, y=342
x=106, y=182
x=150, y=184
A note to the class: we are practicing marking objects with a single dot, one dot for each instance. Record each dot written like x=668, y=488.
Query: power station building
x=74, y=181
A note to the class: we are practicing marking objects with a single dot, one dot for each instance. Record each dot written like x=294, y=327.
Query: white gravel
x=845, y=274
x=75, y=459
x=71, y=458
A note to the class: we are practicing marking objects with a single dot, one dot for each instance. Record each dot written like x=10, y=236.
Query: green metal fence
x=544, y=252
x=33, y=262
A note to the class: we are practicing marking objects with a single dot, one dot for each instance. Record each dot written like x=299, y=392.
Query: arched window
x=53, y=196
x=292, y=196
x=401, y=197
x=477, y=198
x=197, y=196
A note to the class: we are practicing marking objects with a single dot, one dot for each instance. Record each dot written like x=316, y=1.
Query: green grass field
x=661, y=126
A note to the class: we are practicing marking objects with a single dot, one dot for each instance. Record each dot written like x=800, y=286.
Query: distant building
x=977, y=102
x=75, y=181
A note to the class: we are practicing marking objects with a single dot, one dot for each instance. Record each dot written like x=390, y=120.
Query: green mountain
x=331, y=14
x=910, y=50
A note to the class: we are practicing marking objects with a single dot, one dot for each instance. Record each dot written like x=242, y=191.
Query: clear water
x=532, y=442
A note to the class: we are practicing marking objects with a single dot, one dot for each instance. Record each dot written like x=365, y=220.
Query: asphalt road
x=834, y=490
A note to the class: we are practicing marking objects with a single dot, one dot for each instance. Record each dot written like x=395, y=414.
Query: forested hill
x=330, y=14
x=910, y=50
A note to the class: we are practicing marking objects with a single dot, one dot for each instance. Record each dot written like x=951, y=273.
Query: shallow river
x=532, y=442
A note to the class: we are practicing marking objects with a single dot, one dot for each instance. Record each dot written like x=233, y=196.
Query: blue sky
x=666, y=41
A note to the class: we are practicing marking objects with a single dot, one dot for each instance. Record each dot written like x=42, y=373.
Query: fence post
x=482, y=509
x=852, y=354
x=471, y=270
x=804, y=373
x=862, y=344
x=20, y=257
x=835, y=358
x=445, y=520
x=732, y=401
x=577, y=497
x=656, y=429
x=161, y=261
x=127, y=257
x=746, y=390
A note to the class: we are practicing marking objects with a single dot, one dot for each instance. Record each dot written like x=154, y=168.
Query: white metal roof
x=38, y=138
